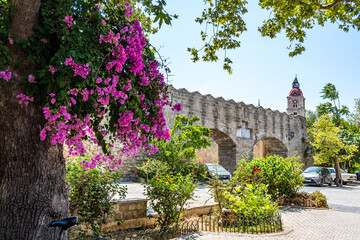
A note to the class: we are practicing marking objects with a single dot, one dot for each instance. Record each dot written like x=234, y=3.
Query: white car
x=346, y=177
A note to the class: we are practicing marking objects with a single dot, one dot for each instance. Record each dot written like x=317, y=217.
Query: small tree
x=168, y=196
x=185, y=139
x=326, y=140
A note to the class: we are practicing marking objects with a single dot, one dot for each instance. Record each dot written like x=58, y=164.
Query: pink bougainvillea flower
x=44, y=40
x=31, y=79
x=69, y=61
x=177, y=107
x=103, y=22
x=11, y=41
x=52, y=69
x=24, y=99
x=6, y=75
x=68, y=20
x=53, y=100
x=52, y=94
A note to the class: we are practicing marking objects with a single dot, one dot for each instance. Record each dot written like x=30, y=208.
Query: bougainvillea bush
x=281, y=175
x=96, y=78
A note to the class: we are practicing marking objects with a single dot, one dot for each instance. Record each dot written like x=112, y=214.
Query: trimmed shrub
x=319, y=199
x=282, y=176
x=251, y=201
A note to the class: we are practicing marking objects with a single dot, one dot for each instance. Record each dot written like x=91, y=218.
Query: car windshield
x=332, y=170
x=312, y=170
x=216, y=168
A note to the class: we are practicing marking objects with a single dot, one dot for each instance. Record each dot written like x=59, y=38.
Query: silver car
x=218, y=171
x=346, y=177
x=317, y=176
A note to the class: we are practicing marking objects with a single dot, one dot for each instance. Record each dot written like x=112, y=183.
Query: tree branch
x=331, y=5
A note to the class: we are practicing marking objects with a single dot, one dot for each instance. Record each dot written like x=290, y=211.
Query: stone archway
x=269, y=146
x=226, y=149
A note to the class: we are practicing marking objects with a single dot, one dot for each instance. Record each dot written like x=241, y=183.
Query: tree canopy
x=223, y=22
x=326, y=140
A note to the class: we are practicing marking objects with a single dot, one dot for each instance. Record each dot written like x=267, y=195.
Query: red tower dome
x=296, y=100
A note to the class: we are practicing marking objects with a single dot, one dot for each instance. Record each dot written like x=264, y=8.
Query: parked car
x=358, y=175
x=216, y=170
x=317, y=175
x=346, y=177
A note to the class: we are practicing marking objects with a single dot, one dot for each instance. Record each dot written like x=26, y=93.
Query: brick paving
x=341, y=222
x=301, y=224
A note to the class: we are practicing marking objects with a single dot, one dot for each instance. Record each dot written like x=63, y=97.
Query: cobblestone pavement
x=341, y=222
x=301, y=224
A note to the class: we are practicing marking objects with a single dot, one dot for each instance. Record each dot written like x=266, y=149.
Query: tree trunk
x=33, y=191
x=338, y=179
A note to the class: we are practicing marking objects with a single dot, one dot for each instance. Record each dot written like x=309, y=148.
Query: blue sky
x=262, y=68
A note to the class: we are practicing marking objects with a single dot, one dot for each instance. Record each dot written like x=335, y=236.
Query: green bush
x=168, y=196
x=282, y=176
x=90, y=193
x=319, y=199
x=152, y=168
x=251, y=201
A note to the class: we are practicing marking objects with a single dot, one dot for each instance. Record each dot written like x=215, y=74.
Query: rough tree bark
x=33, y=191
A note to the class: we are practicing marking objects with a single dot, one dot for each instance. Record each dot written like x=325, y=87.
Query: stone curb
x=259, y=235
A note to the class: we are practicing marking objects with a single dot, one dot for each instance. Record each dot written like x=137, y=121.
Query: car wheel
x=321, y=183
x=345, y=183
x=330, y=183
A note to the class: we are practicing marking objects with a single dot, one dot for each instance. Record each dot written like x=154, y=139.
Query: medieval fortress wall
x=235, y=126
x=244, y=125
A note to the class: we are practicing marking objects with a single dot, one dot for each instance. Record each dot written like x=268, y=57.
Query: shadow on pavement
x=345, y=208
x=299, y=209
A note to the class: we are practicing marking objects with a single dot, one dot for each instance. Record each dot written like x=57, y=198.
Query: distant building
x=296, y=100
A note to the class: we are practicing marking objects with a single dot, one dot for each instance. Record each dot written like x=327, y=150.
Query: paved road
x=345, y=199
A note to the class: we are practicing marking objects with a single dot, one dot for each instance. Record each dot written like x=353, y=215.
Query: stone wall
x=235, y=127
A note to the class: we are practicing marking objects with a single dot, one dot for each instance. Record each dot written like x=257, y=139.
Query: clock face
x=295, y=101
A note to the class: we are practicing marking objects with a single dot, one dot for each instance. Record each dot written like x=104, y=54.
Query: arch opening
x=222, y=151
x=269, y=146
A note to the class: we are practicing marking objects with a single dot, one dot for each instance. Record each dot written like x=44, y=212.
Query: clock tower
x=296, y=100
